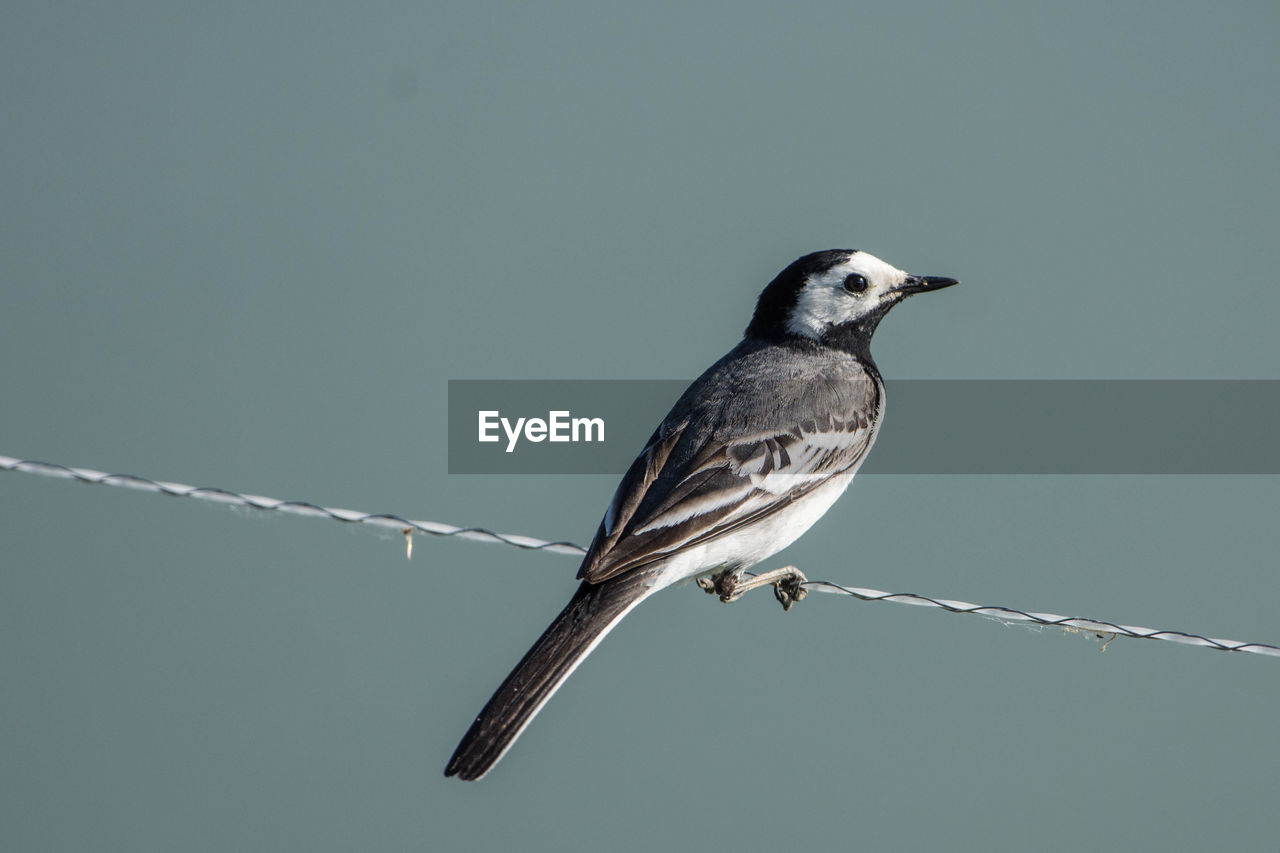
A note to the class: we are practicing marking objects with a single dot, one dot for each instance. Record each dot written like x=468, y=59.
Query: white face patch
x=823, y=302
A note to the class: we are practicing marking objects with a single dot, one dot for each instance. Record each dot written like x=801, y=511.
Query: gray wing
x=752, y=435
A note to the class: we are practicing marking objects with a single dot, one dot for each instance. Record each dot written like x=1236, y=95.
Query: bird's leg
x=731, y=584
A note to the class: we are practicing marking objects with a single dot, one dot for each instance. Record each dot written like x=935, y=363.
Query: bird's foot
x=789, y=587
x=726, y=584
x=731, y=584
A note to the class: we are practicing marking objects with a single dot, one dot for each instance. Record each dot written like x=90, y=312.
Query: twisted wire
x=1052, y=620
x=303, y=508
x=529, y=543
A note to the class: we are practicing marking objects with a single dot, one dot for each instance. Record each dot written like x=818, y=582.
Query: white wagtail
x=752, y=454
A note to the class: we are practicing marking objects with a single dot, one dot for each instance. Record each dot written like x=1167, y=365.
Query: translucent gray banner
x=930, y=426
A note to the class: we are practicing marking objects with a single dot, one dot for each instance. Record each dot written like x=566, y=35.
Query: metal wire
x=1009, y=614
x=304, y=508
x=529, y=543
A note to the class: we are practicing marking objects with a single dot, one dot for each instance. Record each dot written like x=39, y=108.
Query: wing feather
x=742, y=443
x=730, y=484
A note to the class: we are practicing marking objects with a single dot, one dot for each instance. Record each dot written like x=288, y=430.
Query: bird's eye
x=855, y=283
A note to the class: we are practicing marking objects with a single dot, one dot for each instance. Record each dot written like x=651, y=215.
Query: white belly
x=749, y=545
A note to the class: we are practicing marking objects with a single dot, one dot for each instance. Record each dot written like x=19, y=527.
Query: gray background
x=247, y=247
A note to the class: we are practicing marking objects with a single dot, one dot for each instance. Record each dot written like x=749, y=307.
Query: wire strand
x=530, y=543
x=303, y=508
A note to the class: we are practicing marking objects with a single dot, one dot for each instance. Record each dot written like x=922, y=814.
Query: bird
x=751, y=455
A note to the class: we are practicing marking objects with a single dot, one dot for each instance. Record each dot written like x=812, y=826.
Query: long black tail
x=590, y=614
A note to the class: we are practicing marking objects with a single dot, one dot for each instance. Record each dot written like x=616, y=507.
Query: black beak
x=922, y=283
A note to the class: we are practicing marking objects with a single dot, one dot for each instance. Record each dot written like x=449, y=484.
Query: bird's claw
x=727, y=585
x=731, y=584
x=790, y=589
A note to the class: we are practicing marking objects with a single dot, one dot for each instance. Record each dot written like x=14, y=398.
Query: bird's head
x=834, y=298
